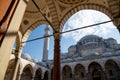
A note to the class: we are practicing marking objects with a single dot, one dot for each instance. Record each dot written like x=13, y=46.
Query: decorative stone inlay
x=72, y=1
x=26, y=22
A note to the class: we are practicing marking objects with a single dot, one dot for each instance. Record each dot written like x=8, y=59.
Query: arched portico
x=56, y=13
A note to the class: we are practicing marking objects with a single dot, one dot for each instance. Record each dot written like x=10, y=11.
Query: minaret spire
x=46, y=43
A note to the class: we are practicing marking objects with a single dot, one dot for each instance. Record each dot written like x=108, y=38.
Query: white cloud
x=89, y=17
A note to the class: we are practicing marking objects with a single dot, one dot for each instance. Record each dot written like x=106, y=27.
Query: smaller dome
x=107, y=54
x=35, y=60
x=117, y=53
x=78, y=58
x=42, y=64
x=64, y=55
x=92, y=53
x=49, y=62
x=26, y=56
x=66, y=60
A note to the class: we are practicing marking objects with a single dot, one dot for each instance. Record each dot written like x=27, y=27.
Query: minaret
x=46, y=43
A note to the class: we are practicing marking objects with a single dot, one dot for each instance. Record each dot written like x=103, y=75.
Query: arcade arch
x=58, y=28
x=66, y=73
x=9, y=70
x=112, y=70
x=95, y=71
x=96, y=7
x=46, y=74
x=38, y=74
x=27, y=73
x=79, y=72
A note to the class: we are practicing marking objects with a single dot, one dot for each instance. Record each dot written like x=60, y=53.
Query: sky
x=79, y=19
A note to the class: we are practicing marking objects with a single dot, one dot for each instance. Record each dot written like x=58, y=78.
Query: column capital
x=57, y=35
x=117, y=21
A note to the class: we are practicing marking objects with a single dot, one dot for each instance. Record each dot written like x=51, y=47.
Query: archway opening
x=66, y=73
x=10, y=67
x=112, y=70
x=38, y=74
x=27, y=73
x=9, y=71
x=79, y=72
x=95, y=71
x=96, y=75
x=85, y=18
x=46, y=76
x=35, y=48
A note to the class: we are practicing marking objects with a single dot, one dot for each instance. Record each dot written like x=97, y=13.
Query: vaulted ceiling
x=59, y=11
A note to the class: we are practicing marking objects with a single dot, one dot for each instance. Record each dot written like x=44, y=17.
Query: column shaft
x=56, y=65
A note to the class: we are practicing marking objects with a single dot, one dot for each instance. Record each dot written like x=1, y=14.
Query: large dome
x=89, y=37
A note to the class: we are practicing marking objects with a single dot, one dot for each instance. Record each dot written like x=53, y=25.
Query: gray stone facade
x=92, y=58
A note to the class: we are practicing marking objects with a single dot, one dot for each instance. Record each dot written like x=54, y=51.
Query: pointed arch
x=38, y=74
x=82, y=7
x=79, y=72
x=66, y=73
x=112, y=70
x=95, y=71
x=46, y=74
x=27, y=73
x=10, y=69
x=31, y=28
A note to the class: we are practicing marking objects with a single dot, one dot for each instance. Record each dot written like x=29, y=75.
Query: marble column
x=56, y=64
x=10, y=37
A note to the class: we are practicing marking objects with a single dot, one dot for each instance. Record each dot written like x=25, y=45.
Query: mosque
x=91, y=58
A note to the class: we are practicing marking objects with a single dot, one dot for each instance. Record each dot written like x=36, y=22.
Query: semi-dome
x=42, y=64
x=35, y=60
x=78, y=58
x=92, y=53
x=66, y=60
x=107, y=54
x=111, y=41
x=26, y=56
x=88, y=37
x=117, y=52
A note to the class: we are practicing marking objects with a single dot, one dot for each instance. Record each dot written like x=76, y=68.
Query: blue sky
x=79, y=19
